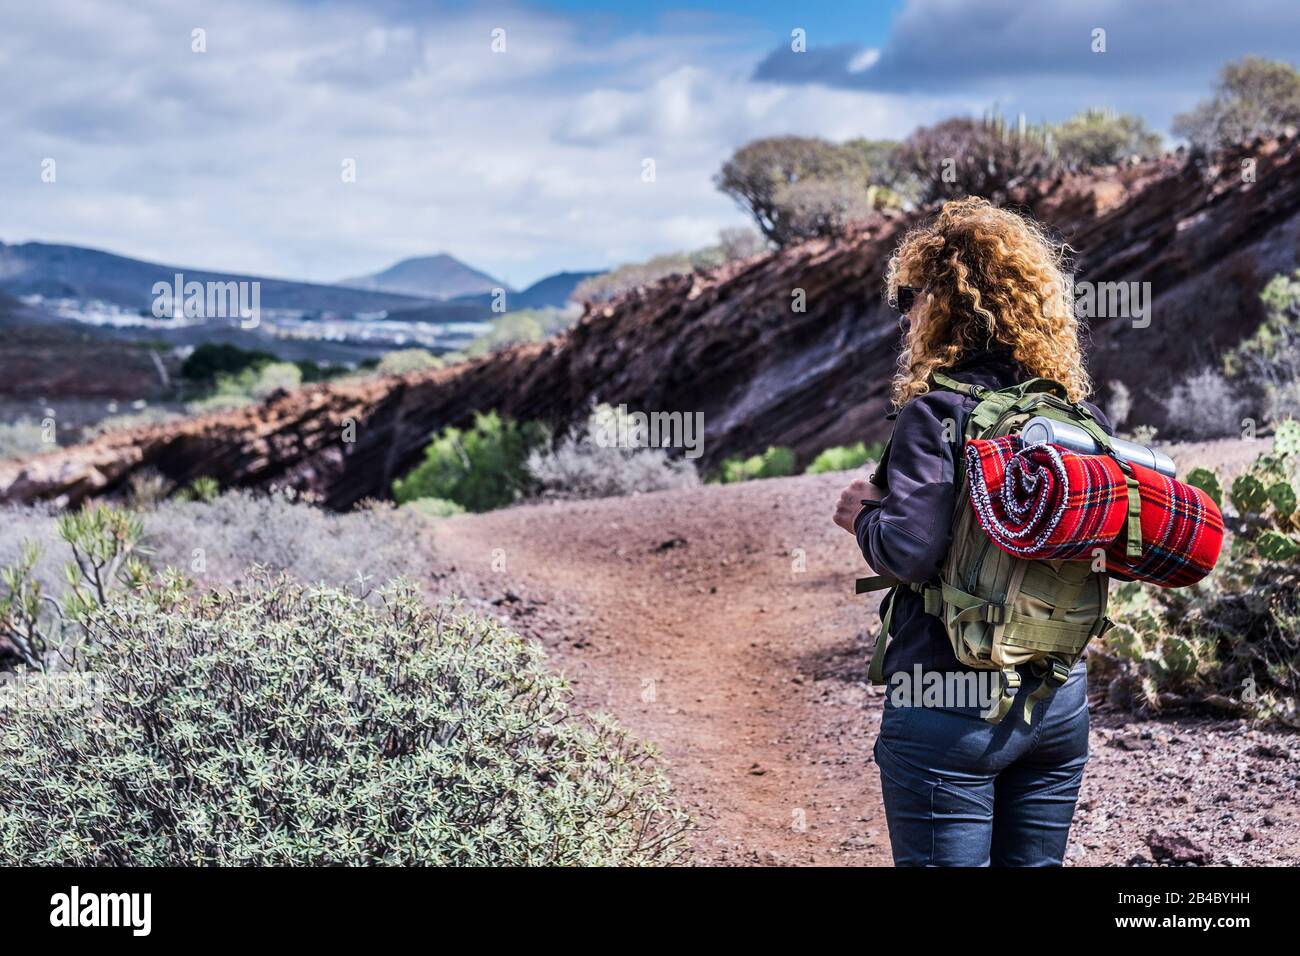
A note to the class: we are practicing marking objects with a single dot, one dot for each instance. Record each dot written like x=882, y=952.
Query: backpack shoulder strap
x=951, y=384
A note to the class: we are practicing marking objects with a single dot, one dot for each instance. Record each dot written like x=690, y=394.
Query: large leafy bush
x=480, y=468
x=278, y=724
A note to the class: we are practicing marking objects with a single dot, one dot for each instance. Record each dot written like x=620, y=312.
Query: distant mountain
x=57, y=271
x=550, y=292
x=430, y=277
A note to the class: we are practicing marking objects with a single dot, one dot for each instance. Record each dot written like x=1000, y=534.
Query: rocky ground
x=721, y=624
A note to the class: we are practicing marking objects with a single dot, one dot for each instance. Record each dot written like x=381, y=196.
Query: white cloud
x=522, y=163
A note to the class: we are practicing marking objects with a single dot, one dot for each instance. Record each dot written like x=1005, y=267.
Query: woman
x=991, y=307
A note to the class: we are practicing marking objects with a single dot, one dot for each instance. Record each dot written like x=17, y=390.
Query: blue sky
x=527, y=161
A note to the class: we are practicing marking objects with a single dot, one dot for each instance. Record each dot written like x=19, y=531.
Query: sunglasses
x=906, y=298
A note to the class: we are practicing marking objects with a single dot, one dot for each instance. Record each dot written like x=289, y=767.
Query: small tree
x=1254, y=97
x=896, y=186
x=817, y=207
x=969, y=157
x=1100, y=137
x=759, y=176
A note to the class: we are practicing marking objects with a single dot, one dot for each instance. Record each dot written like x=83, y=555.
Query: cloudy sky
x=529, y=160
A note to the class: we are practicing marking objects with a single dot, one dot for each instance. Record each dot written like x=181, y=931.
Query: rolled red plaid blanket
x=1043, y=503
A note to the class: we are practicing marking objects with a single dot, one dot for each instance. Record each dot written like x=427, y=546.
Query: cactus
x=1286, y=440
x=1208, y=482
x=1178, y=656
x=1248, y=494
x=1275, y=546
x=1283, y=497
x=1124, y=642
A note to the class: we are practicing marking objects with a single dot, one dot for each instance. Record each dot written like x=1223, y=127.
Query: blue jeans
x=959, y=791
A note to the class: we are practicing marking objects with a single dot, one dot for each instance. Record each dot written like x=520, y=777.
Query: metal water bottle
x=1077, y=440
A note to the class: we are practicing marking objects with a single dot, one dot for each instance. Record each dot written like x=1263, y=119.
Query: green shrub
x=773, y=463
x=254, y=384
x=435, y=507
x=1100, y=137
x=407, y=360
x=211, y=359
x=45, y=631
x=203, y=488
x=479, y=469
x=524, y=325
x=283, y=725
x=844, y=458
x=987, y=157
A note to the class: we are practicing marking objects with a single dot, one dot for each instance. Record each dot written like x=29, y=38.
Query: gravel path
x=720, y=623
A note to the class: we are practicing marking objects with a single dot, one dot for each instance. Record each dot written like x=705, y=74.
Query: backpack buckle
x=995, y=613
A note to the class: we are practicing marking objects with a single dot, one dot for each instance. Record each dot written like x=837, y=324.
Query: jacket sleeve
x=906, y=534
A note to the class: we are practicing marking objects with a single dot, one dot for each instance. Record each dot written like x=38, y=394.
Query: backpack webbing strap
x=877, y=582
x=1002, y=706
x=944, y=381
x=1133, y=533
x=1057, y=674
x=933, y=605
x=876, y=671
x=1036, y=633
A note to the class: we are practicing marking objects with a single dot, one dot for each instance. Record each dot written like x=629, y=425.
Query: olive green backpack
x=1001, y=612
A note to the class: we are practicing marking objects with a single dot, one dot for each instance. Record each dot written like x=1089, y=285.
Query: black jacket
x=907, y=532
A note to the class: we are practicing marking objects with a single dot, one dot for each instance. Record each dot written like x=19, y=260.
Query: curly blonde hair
x=987, y=277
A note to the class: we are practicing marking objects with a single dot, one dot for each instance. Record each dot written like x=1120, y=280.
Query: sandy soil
x=720, y=623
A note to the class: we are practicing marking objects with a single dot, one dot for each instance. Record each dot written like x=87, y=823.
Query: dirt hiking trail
x=720, y=623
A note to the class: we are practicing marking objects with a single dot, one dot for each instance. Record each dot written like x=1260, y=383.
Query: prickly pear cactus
x=1286, y=439
x=1282, y=495
x=1249, y=496
x=1125, y=642
x=1275, y=546
x=1178, y=656
x=1208, y=482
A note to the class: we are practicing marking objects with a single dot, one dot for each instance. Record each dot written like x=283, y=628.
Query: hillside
x=551, y=291
x=59, y=271
x=44, y=357
x=430, y=277
x=729, y=345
